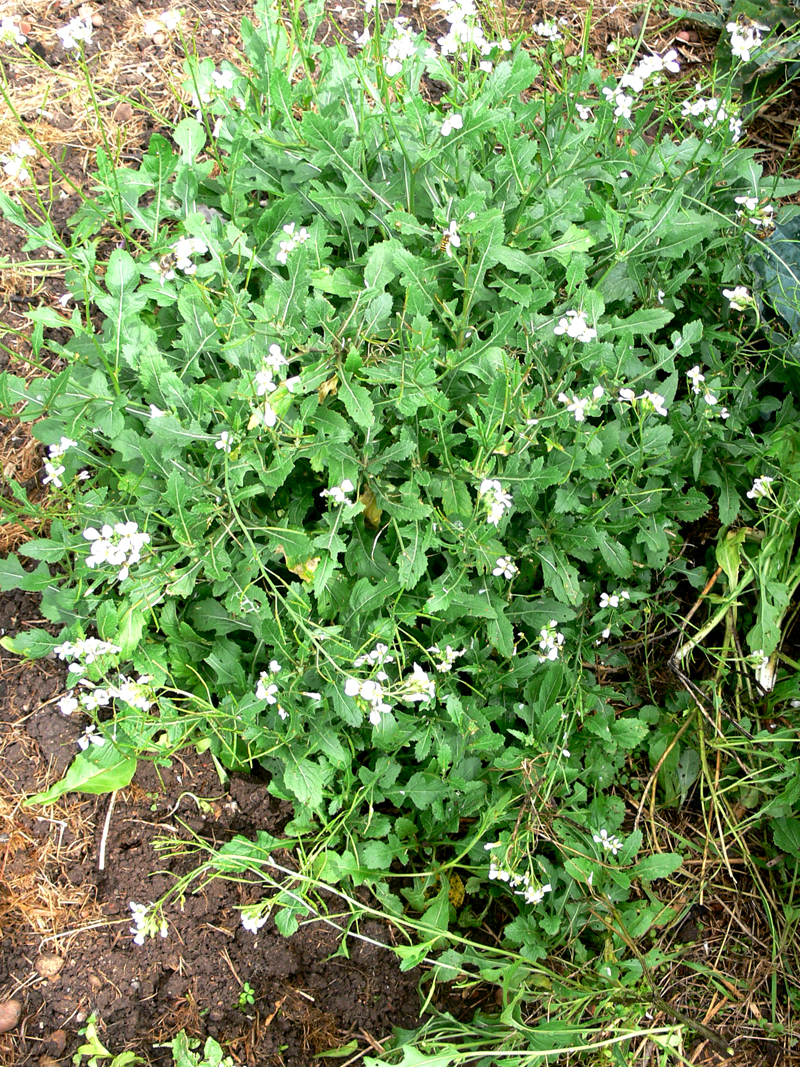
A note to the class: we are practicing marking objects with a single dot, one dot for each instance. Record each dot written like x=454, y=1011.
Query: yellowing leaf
x=372, y=513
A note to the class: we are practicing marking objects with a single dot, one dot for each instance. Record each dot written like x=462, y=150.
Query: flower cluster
x=550, y=642
x=650, y=401
x=762, y=487
x=14, y=163
x=180, y=258
x=252, y=919
x=574, y=325
x=745, y=39
x=580, y=405
x=466, y=35
x=371, y=691
x=762, y=217
x=338, y=493
x=119, y=545
x=714, y=112
x=136, y=693
x=418, y=687
x=448, y=657
x=294, y=238
x=549, y=30
x=607, y=841
x=10, y=32
x=267, y=690
x=613, y=600
x=86, y=650
x=224, y=442
x=76, y=32
x=495, y=498
x=739, y=298
x=635, y=80
x=376, y=658
x=53, y=469
x=696, y=379
x=505, y=566
x=145, y=922
x=532, y=893
x=401, y=47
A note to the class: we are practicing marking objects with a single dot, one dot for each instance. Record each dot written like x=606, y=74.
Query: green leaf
x=34, y=643
x=615, y=555
x=13, y=576
x=100, y=769
x=305, y=780
x=786, y=835
x=39, y=548
x=356, y=400
x=661, y=865
x=190, y=136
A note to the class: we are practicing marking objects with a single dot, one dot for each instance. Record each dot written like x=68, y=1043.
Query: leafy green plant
x=184, y=1052
x=380, y=425
x=246, y=997
x=95, y=1052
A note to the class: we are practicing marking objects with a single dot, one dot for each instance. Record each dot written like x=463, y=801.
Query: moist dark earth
x=306, y=999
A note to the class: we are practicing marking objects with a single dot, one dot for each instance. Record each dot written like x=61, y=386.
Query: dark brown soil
x=304, y=1001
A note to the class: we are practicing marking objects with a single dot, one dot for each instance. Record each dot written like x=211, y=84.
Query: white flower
x=492, y=494
x=64, y=445
x=338, y=493
x=266, y=690
x=576, y=405
x=53, y=474
x=13, y=164
x=87, y=649
x=171, y=19
x=119, y=546
x=724, y=413
x=505, y=566
x=292, y=383
x=607, y=601
x=144, y=923
x=740, y=298
x=362, y=39
x=96, y=698
x=266, y=415
x=750, y=203
x=627, y=395
x=452, y=122
x=67, y=704
x=584, y=112
x=607, y=841
x=657, y=400
x=745, y=39
x=89, y=737
x=450, y=238
x=695, y=378
x=550, y=642
x=419, y=686
x=274, y=666
x=295, y=237
x=225, y=442
x=222, y=79
x=449, y=656
x=252, y=921
x=575, y=325
x=184, y=248
x=10, y=32
x=548, y=30
x=136, y=693
x=535, y=896
x=264, y=382
x=75, y=32
x=761, y=488
x=275, y=358
x=156, y=413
